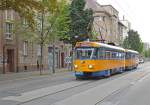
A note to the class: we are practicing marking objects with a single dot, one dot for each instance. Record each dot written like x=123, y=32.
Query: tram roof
x=132, y=51
x=97, y=44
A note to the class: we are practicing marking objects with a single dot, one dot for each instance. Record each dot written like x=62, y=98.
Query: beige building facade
x=127, y=24
x=17, y=54
x=146, y=46
x=8, y=46
x=121, y=28
x=106, y=21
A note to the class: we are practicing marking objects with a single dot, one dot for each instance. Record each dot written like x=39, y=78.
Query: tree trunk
x=41, y=59
x=42, y=43
x=4, y=59
x=53, y=58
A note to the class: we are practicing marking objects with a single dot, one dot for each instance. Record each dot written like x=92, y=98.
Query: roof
x=119, y=22
x=105, y=12
x=132, y=51
x=110, y=46
x=98, y=44
x=110, y=6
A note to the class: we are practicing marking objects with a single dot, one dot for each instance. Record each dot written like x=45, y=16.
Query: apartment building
x=8, y=42
x=106, y=21
x=146, y=46
x=121, y=28
x=18, y=54
x=108, y=16
x=127, y=24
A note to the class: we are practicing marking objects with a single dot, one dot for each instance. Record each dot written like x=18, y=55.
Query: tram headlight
x=75, y=66
x=90, y=66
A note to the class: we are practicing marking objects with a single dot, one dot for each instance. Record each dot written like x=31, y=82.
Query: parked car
x=141, y=61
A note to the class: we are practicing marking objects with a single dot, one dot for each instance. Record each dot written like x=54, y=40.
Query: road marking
x=28, y=96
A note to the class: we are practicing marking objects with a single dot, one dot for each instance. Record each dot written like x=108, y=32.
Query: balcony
x=8, y=36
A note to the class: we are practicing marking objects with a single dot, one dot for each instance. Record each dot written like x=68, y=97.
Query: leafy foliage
x=147, y=53
x=25, y=8
x=81, y=21
x=63, y=23
x=133, y=41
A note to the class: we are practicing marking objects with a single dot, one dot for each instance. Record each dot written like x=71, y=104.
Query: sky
x=136, y=11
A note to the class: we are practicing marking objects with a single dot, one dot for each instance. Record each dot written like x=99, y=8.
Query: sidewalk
x=31, y=74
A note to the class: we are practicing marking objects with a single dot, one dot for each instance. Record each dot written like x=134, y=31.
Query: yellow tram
x=94, y=59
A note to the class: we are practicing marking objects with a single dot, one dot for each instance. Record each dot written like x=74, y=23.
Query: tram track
x=83, y=84
x=57, y=92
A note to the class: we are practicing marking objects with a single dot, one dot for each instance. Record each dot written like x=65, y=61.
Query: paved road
x=129, y=88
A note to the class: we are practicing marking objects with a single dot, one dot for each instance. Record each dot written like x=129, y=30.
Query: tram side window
x=114, y=55
x=107, y=55
x=117, y=55
x=95, y=54
x=101, y=54
x=128, y=56
x=122, y=55
x=133, y=56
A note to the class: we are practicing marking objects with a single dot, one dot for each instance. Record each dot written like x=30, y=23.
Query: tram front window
x=86, y=53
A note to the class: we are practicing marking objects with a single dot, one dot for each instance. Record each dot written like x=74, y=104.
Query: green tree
x=133, y=41
x=81, y=21
x=126, y=43
x=63, y=23
x=45, y=31
x=147, y=53
x=44, y=26
x=25, y=8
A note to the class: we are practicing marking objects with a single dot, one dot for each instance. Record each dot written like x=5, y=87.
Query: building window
x=9, y=14
x=101, y=18
x=24, y=21
x=38, y=50
x=9, y=30
x=25, y=48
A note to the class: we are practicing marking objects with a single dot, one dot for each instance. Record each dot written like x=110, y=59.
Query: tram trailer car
x=131, y=59
x=94, y=59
